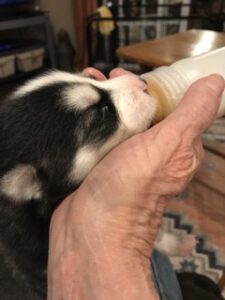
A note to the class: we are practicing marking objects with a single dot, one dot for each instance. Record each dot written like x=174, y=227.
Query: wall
x=61, y=13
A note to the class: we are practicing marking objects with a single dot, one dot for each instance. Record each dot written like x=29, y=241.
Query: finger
x=96, y=74
x=118, y=72
x=199, y=107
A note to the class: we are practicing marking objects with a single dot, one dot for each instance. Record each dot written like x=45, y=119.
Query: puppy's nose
x=145, y=89
x=143, y=80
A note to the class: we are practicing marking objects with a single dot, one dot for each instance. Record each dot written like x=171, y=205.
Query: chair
x=153, y=19
x=101, y=48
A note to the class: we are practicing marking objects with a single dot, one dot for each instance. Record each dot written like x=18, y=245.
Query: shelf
x=23, y=49
x=40, y=19
x=23, y=22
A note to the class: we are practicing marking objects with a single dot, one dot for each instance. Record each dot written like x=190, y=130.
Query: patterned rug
x=206, y=259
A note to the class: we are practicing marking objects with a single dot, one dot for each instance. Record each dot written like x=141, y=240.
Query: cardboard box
x=7, y=66
x=30, y=60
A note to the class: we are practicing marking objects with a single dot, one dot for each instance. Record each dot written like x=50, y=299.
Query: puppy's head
x=55, y=129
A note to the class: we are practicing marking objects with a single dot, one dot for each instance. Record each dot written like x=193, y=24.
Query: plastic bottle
x=168, y=84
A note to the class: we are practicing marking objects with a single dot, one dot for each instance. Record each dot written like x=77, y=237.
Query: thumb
x=199, y=106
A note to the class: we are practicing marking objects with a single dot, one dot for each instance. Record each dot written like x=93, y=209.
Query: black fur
x=38, y=129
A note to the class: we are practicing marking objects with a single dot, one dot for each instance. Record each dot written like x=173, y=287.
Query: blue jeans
x=165, y=278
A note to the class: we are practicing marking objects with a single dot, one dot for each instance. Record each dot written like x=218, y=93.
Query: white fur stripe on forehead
x=55, y=77
x=51, y=78
x=80, y=96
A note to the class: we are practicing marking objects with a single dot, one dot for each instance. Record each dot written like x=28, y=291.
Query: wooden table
x=168, y=49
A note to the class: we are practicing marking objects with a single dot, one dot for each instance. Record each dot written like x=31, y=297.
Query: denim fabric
x=165, y=278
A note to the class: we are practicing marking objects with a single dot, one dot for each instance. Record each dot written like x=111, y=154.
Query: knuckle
x=183, y=165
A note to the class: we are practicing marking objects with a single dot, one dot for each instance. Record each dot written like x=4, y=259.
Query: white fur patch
x=88, y=156
x=21, y=184
x=53, y=78
x=85, y=159
x=46, y=79
x=136, y=109
x=80, y=97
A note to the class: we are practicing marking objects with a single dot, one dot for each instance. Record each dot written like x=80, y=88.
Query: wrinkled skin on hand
x=107, y=228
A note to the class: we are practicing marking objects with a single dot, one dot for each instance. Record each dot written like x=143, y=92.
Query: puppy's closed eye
x=105, y=110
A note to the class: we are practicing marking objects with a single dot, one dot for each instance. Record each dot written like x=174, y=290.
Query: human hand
x=102, y=235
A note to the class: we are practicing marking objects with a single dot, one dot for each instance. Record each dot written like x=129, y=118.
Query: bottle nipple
x=161, y=98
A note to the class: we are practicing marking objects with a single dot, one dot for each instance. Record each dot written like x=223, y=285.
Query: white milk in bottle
x=168, y=84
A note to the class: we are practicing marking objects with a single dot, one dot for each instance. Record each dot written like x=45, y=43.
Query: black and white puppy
x=53, y=131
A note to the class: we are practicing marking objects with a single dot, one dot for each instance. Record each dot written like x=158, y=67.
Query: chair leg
x=221, y=282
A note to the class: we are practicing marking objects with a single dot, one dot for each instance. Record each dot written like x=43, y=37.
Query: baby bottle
x=168, y=84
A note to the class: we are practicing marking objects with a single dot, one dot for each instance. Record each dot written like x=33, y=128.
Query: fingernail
x=216, y=83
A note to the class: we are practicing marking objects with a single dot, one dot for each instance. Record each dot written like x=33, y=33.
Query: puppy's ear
x=21, y=184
